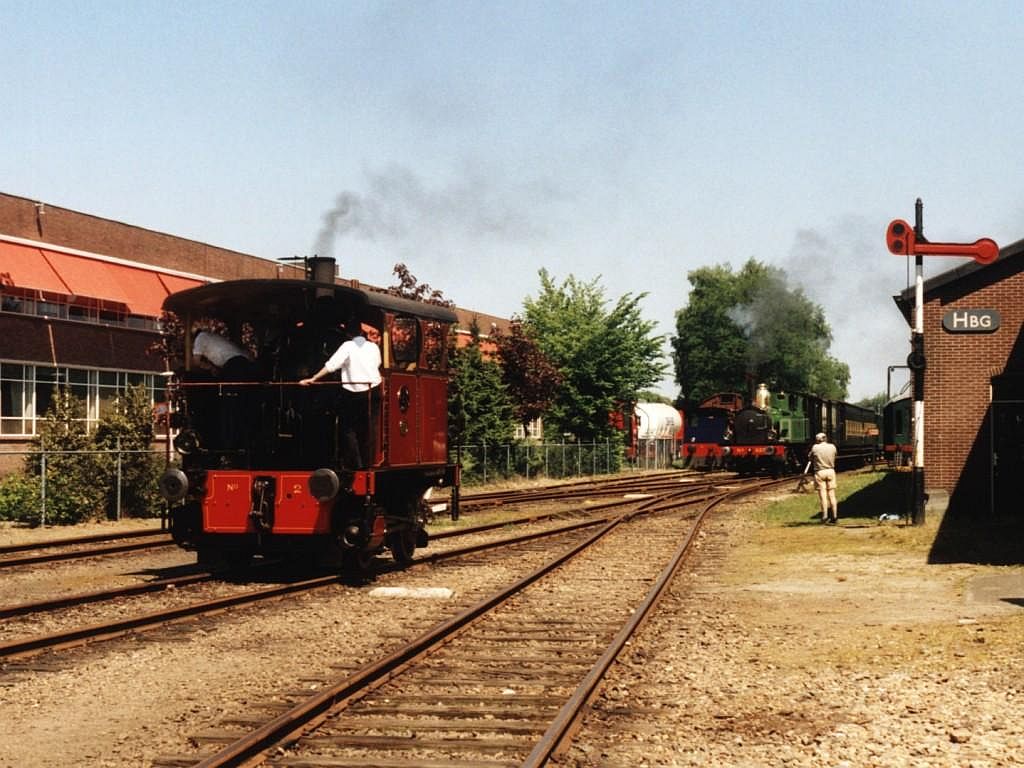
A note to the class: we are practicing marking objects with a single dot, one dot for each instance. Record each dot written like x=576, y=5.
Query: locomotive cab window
x=405, y=342
x=434, y=346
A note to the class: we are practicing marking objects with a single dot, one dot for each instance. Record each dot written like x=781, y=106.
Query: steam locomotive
x=775, y=433
x=265, y=467
x=709, y=429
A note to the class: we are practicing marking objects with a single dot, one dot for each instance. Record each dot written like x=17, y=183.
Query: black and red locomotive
x=264, y=468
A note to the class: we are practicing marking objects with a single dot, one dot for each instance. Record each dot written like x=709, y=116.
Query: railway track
x=646, y=482
x=158, y=585
x=501, y=683
x=81, y=635
x=81, y=547
x=99, y=545
x=22, y=647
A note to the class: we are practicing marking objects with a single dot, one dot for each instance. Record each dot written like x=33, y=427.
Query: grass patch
x=863, y=497
x=791, y=522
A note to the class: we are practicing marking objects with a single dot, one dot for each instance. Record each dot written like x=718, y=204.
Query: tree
x=605, y=355
x=410, y=288
x=875, y=402
x=72, y=486
x=529, y=375
x=479, y=408
x=128, y=426
x=749, y=327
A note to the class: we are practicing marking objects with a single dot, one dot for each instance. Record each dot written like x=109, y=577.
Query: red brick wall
x=21, y=217
x=958, y=380
x=25, y=218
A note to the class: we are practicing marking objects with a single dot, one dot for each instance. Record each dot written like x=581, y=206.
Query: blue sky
x=479, y=142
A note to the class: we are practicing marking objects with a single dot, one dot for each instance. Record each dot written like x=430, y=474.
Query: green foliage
x=128, y=426
x=605, y=355
x=479, y=408
x=530, y=376
x=81, y=474
x=876, y=402
x=648, y=396
x=742, y=328
x=72, y=490
x=19, y=499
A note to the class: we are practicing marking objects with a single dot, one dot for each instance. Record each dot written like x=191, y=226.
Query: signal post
x=904, y=241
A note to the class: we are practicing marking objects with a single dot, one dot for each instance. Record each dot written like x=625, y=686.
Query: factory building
x=80, y=300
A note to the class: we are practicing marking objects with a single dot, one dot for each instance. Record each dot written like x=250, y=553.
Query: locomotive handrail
x=296, y=383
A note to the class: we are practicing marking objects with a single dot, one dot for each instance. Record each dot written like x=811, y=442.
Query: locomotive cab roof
x=271, y=300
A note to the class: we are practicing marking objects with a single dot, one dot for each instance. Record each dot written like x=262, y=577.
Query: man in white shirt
x=358, y=362
x=223, y=355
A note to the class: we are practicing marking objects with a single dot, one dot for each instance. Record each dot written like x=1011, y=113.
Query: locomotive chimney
x=321, y=269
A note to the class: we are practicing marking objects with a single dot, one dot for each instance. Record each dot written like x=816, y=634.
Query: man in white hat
x=823, y=460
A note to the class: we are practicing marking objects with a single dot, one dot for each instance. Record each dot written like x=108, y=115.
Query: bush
x=82, y=469
x=19, y=499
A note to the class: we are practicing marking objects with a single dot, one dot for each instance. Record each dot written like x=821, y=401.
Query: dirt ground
x=797, y=645
x=816, y=645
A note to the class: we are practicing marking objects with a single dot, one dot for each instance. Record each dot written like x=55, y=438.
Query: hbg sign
x=971, y=320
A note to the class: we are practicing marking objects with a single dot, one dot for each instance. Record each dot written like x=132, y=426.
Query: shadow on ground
x=890, y=496
x=974, y=537
x=980, y=539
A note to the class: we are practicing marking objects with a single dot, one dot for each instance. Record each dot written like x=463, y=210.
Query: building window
x=68, y=308
x=12, y=399
x=26, y=392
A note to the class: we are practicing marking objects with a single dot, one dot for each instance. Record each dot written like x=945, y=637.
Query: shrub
x=19, y=499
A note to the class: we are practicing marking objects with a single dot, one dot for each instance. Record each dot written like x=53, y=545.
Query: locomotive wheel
x=356, y=562
x=207, y=556
x=402, y=544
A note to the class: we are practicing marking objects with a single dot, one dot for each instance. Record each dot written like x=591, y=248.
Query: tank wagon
x=775, y=433
x=659, y=433
x=265, y=463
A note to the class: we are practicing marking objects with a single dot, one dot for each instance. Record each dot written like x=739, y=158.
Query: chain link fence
x=52, y=479
x=486, y=463
x=116, y=475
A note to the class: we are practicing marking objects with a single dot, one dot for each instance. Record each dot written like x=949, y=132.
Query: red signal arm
x=901, y=240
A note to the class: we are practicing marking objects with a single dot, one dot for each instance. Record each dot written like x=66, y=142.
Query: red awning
x=173, y=283
x=136, y=290
x=143, y=288
x=22, y=266
x=88, y=278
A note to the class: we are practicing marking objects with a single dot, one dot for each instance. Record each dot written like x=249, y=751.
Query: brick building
x=80, y=298
x=974, y=382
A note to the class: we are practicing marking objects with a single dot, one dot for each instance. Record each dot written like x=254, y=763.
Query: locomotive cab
x=273, y=465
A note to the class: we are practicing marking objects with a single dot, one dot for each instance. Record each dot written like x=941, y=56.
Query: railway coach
x=266, y=466
x=897, y=431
